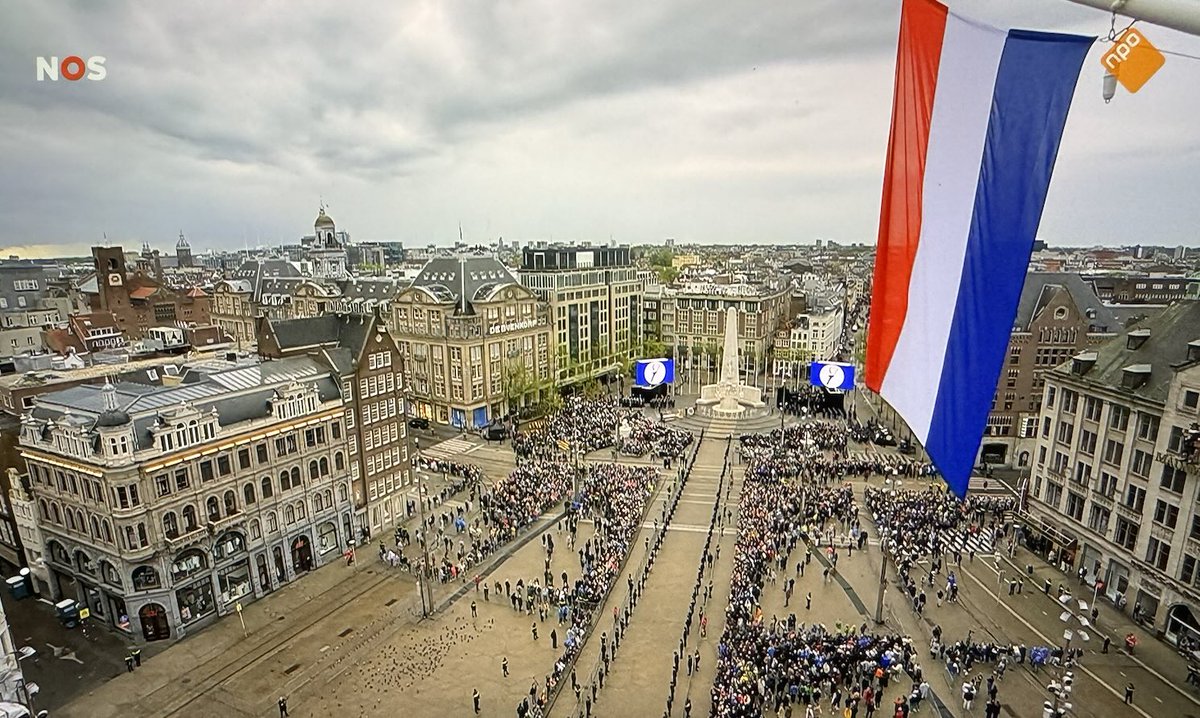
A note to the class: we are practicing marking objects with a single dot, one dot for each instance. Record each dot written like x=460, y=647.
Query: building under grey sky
x=709, y=122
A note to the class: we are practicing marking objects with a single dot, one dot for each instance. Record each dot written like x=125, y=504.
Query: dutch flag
x=977, y=117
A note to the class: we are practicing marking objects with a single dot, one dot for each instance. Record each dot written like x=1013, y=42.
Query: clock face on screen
x=655, y=373
x=832, y=376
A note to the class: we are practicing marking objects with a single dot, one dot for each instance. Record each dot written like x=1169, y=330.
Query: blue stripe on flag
x=1033, y=90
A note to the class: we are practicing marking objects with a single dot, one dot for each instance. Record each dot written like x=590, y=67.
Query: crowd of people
x=648, y=437
x=780, y=665
x=931, y=523
x=614, y=496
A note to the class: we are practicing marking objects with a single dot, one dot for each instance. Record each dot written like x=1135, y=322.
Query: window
x=1175, y=440
x=243, y=458
x=1050, y=392
x=162, y=485
x=1158, y=553
x=1065, y=432
x=1135, y=497
x=1098, y=519
x=213, y=508
x=170, y=525
x=267, y=492
x=206, y=470
x=1147, y=427
x=1070, y=401
x=1126, y=533
x=1166, y=514
x=189, y=518
x=1191, y=399
x=1141, y=462
x=1083, y=473
x=1075, y=505
x=224, y=466
x=272, y=523
x=1091, y=408
x=1087, y=442
x=1108, y=484
x=1114, y=451
x=1195, y=531
x=1187, y=568
x=285, y=481
x=1173, y=479
x=260, y=453
x=1053, y=493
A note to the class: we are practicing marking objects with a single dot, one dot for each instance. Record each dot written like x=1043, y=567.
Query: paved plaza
x=351, y=641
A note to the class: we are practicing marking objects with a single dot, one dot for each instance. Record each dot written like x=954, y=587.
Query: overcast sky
x=716, y=122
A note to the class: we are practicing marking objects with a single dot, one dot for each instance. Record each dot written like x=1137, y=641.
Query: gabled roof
x=460, y=278
x=1042, y=287
x=328, y=331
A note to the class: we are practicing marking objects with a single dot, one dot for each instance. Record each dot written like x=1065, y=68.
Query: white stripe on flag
x=962, y=105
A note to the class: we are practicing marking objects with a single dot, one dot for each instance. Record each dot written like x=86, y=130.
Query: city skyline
x=528, y=122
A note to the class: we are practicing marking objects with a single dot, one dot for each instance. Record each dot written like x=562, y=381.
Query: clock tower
x=110, y=279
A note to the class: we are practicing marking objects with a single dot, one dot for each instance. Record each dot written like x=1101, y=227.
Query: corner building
x=163, y=506
x=1116, y=478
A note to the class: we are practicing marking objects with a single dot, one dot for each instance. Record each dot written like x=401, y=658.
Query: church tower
x=327, y=254
x=183, y=252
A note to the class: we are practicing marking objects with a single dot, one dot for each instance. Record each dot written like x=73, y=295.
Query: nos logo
x=72, y=67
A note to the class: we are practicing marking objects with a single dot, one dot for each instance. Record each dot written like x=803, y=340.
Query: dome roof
x=323, y=220
x=112, y=417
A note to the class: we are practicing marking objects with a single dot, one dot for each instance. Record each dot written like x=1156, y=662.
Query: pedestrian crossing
x=450, y=449
x=980, y=542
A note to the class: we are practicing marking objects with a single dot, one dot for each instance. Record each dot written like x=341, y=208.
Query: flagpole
x=1182, y=15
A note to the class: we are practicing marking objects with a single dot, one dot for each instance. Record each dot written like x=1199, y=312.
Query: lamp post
x=1061, y=687
x=414, y=461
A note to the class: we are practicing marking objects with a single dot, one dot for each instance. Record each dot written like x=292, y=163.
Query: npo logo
x=72, y=67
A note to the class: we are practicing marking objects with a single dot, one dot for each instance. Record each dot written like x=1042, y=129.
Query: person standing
x=475, y=699
x=504, y=666
x=283, y=711
x=1128, y=694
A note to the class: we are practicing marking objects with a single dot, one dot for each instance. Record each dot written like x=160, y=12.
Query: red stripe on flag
x=918, y=55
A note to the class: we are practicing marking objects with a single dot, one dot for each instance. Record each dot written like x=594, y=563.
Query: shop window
x=145, y=577
x=327, y=537
x=196, y=601
x=228, y=546
x=188, y=564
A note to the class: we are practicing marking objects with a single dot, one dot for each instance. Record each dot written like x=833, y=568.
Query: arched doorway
x=302, y=555
x=155, y=626
x=1024, y=459
x=1182, y=625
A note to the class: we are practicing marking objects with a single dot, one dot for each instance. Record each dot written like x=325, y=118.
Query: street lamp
x=414, y=450
x=1060, y=687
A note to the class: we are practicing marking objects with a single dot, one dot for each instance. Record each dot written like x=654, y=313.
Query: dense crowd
x=590, y=423
x=931, y=522
x=648, y=437
x=780, y=664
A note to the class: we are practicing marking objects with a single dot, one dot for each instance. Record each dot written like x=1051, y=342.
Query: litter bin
x=1029, y=569
x=18, y=587
x=1046, y=587
x=68, y=612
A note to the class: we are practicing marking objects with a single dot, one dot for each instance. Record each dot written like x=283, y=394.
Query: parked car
x=418, y=422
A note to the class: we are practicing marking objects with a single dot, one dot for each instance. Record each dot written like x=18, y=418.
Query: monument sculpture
x=729, y=397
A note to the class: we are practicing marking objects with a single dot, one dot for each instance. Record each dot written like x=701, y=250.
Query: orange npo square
x=1132, y=59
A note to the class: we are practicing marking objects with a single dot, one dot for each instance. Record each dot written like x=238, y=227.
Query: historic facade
x=163, y=505
x=369, y=366
x=1058, y=316
x=1116, y=473
x=477, y=344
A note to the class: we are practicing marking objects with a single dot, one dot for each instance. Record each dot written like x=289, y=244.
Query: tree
x=653, y=348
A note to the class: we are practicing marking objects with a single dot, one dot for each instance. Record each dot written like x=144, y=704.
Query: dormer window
x=1135, y=375
x=1082, y=363
x=1136, y=338
x=1193, y=351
